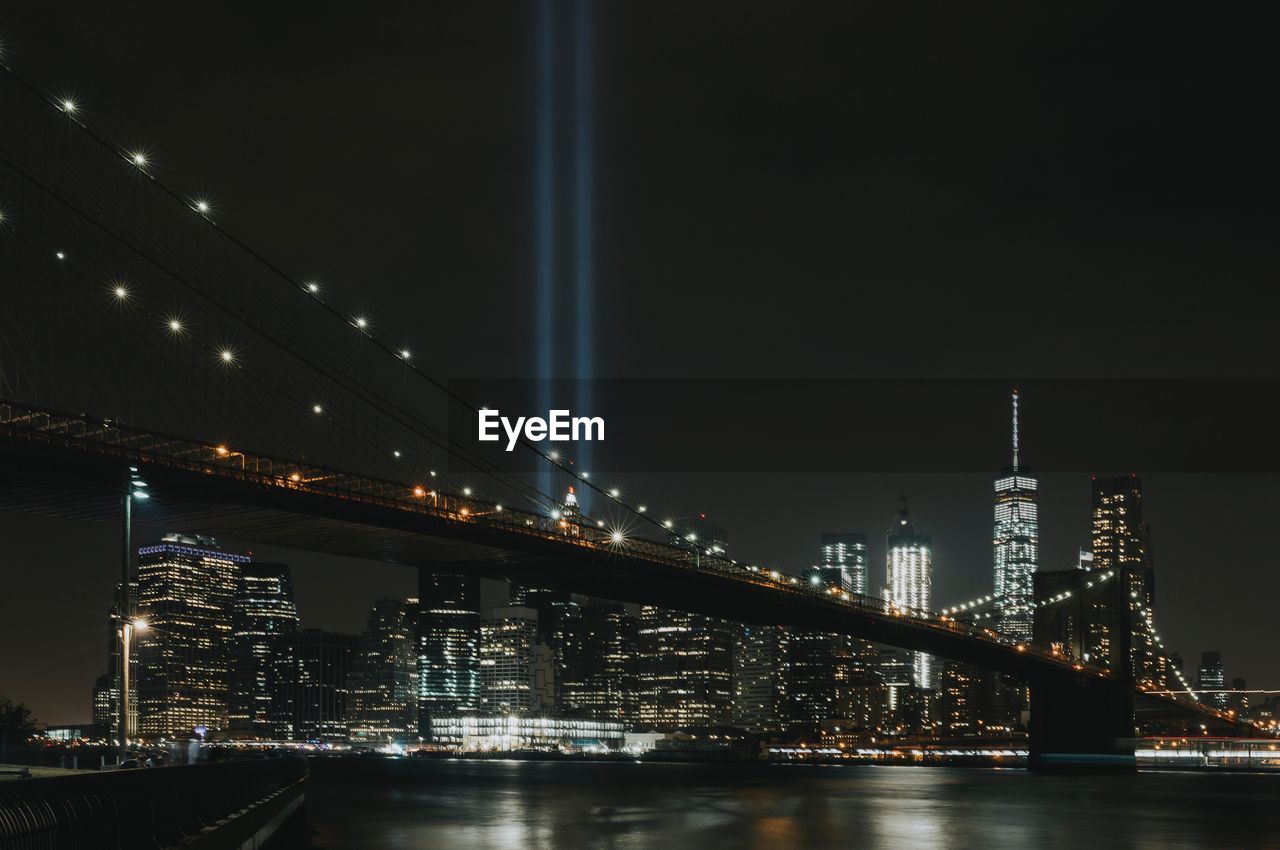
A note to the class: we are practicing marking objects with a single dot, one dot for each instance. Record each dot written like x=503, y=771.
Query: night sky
x=884, y=191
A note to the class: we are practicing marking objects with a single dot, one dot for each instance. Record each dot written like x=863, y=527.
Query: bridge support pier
x=1082, y=725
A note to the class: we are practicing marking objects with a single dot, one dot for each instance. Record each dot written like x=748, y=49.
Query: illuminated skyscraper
x=600, y=663
x=383, y=703
x=106, y=688
x=842, y=561
x=1122, y=542
x=759, y=678
x=516, y=674
x=448, y=628
x=1017, y=543
x=186, y=593
x=686, y=660
x=263, y=617
x=909, y=567
x=312, y=684
x=1211, y=681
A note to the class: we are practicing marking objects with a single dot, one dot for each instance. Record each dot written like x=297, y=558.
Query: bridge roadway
x=72, y=466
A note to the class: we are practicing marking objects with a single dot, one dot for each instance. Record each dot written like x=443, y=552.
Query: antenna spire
x=1015, y=428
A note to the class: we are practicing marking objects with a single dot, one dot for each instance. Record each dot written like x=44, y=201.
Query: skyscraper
x=759, y=678
x=601, y=668
x=263, y=616
x=909, y=567
x=1122, y=542
x=383, y=703
x=818, y=677
x=1211, y=681
x=686, y=660
x=1017, y=543
x=686, y=669
x=448, y=630
x=312, y=681
x=516, y=673
x=842, y=561
x=186, y=593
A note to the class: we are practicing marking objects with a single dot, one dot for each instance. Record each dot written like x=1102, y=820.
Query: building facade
x=186, y=593
x=263, y=617
x=447, y=624
x=909, y=568
x=759, y=678
x=842, y=561
x=601, y=665
x=1122, y=544
x=516, y=671
x=383, y=702
x=1017, y=543
x=312, y=683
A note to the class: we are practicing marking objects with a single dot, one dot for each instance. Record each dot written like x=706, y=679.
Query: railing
x=138, y=446
x=144, y=808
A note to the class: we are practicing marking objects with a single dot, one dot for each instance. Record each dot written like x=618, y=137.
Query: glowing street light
x=227, y=356
x=120, y=292
x=68, y=106
x=139, y=159
x=175, y=326
x=202, y=207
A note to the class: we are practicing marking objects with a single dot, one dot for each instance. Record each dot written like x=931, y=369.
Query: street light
x=134, y=488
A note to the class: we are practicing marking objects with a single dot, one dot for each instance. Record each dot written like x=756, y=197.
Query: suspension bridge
x=145, y=339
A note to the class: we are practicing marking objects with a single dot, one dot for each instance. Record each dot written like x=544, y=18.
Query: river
x=454, y=804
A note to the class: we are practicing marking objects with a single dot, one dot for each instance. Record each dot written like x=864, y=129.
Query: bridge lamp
x=202, y=207
x=600, y=523
x=404, y=354
x=466, y=491
x=120, y=292
x=585, y=476
x=361, y=322
x=814, y=580
x=227, y=355
x=60, y=255
x=175, y=326
x=419, y=491
x=666, y=523
x=138, y=158
x=313, y=288
x=553, y=455
x=317, y=408
x=616, y=537
x=465, y=512
x=555, y=514
x=641, y=509
x=395, y=453
x=497, y=509
x=68, y=106
x=222, y=451
x=295, y=477
x=615, y=493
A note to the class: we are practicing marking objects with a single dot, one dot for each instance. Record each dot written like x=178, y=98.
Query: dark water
x=365, y=803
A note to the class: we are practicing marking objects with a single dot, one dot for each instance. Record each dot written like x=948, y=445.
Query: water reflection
x=366, y=803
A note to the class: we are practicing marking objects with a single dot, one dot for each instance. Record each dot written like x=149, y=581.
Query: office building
x=106, y=688
x=1122, y=543
x=686, y=660
x=818, y=678
x=1211, y=680
x=186, y=593
x=448, y=646
x=842, y=561
x=383, y=701
x=516, y=672
x=1017, y=543
x=759, y=678
x=909, y=568
x=601, y=672
x=263, y=616
x=312, y=682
